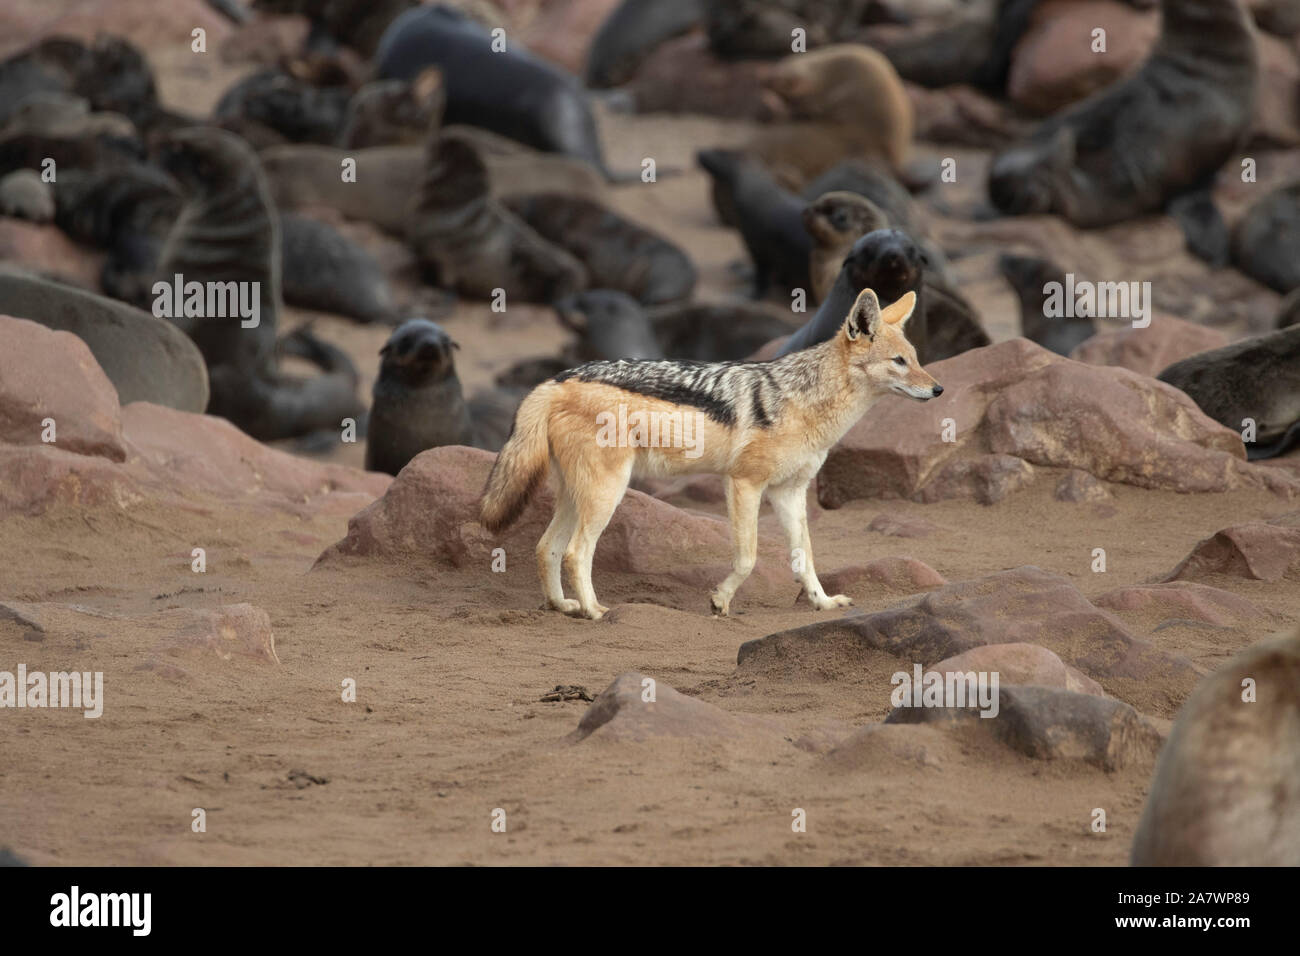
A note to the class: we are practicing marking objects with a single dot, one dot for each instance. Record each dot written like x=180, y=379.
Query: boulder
x=1014, y=405
x=1151, y=350
x=51, y=377
x=906, y=575
x=146, y=358
x=1255, y=550
x=1226, y=789
x=622, y=713
x=1021, y=663
x=1183, y=600
x=1050, y=723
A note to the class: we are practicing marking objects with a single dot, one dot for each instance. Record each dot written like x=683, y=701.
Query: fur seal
x=1256, y=378
x=283, y=102
x=769, y=218
x=714, y=332
x=748, y=29
x=1226, y=789
x=146, y=358
x=618, y=254
x=395, y=112
x=841, y=101
x=1029, y=276
x=631, y=31
x=23, y=195
x=1133, y=147
x=1266, y=243
x=886, y=261
x=227, y=232
x=473, y=244
x=835, y=221
x=513, y=93
x=418, y=401
x=875, y=182
x=610, y=325
x=325, y=271
x=359, y=23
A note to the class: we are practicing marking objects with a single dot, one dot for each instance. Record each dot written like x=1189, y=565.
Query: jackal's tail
x=522, y=464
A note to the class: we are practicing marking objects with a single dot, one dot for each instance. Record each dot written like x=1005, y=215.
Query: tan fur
x=556, y=426
x=843, y=101
x=835, y=221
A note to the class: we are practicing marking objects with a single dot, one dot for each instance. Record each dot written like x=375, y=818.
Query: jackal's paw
x=566, y=606
x=830, y=602
x=721, y=605
x=596, y=612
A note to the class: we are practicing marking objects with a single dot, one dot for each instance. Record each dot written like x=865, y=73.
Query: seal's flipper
x=1202, y=224
x=1290, y=439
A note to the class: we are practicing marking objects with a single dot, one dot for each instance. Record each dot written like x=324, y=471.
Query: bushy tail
x=522, y=464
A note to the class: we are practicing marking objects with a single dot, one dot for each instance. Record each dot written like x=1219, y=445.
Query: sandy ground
x=447, y=726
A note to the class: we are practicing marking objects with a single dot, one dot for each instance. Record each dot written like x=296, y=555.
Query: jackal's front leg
x=790, y=502
x=743, y=498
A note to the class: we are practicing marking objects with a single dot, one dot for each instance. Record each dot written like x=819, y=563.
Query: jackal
x=763, y=426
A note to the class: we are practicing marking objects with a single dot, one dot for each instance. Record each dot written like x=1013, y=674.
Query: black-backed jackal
x=763, y=426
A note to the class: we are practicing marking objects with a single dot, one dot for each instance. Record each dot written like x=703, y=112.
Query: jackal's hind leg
x=743, y=498
x=790, y=502
x=594, y=507
x=550, y=550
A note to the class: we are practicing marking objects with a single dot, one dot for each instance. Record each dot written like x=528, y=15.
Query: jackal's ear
x=864, y=316
x=897, y=313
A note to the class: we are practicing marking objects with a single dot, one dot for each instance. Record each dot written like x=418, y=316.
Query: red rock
x=1021, y=664
x=907, y=575
x=1049, y=723
x=621, y=713
x=1257, y=550
x=1024, y=605
x=1016, y=400
x=1078, y=486
x=1151, y=350
x=1053, y=64
x=562, y=30
x=52, y=375
x=1184, y=599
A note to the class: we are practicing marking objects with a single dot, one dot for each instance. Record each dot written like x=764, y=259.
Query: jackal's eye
x=899, y=360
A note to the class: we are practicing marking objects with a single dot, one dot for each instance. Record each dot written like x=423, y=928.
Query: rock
x=47, y=375
x=1184, y=600
x=34, y=480
x=1151, y=350
x=429, y=515
x=901, y=526
x=881, y=747
x=683, y=75
x=146, y=358
x=1016, y=400
x=1024, y=605
x=1226, y=789
x=46, y=250
x=1054, y=63
x=1021, y=664
x=1050, y=723
x=1256, y=550
x=234, y=630
x=906, y=575
x=1079, y=486
x=621, y=713
x=1276, y=120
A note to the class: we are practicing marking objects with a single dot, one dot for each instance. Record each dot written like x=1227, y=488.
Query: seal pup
x=835, y=221
x=1226, y=788
x=609, y=324
x=395, y=112
x=1029, y=277
x=1257, y=378
x=886, y=261
x=1136, y=145
x=325, y=271
x=840, y=101
x=1266, y=242
x=769, y=218
x=617, y=253
x=227, y=234
x=475, y=245
x=419, y=403
x=513, y=93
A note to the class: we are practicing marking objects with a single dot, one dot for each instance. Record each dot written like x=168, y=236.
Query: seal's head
x=204, y=159
x=837, y=217
x=611, y=325
x=418, y=352
x=887, y=261
x=1022, y=180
